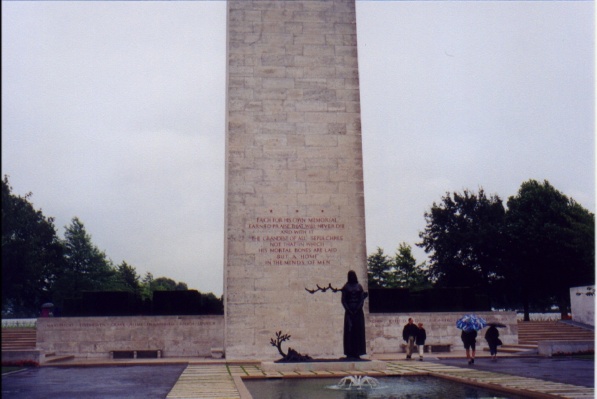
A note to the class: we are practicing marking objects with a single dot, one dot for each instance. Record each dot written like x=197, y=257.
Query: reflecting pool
x=405, y=387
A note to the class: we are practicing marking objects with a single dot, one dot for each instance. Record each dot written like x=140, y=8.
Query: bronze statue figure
x=353, y=299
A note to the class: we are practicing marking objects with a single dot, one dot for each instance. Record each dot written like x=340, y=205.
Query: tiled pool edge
x=225, y=381
x=530, y=387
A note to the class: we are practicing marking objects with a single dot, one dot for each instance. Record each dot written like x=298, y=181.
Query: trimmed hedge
x=402, y=300
x=122, y=303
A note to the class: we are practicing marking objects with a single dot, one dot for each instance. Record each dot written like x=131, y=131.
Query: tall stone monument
x=295, y=214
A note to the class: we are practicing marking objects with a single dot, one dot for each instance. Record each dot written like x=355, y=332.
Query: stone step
x=11, y=332
x=53, y=358
x=531, y=333
x=556, y=333
x=523, y=340
x=537, y=338
x=521, y=346
x=555, y=328
x=19, y=338
x=576, y=330
x=513, y=348
x=13, y=346
x=517, y=348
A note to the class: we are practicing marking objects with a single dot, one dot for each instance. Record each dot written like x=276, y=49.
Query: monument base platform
x=22, y=355
x=327, y=365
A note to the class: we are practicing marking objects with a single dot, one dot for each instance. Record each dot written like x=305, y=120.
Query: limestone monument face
x=294, y=174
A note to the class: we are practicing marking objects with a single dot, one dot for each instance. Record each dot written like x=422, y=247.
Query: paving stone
x=208, y=381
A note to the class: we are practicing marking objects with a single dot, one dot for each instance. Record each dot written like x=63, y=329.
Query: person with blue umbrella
x=470, y=324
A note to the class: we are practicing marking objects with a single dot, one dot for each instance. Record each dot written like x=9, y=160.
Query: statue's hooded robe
x=353, y=298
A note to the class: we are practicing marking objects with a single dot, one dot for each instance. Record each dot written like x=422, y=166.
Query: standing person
x=353, y=298
x=420, y=340
x=469, y=339
x=492, y=336
x=409, y=334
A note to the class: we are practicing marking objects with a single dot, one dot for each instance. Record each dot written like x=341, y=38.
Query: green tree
x=212, y=304
x=167, y=284
x=146, y=292
x=379, y=268
x=86, y=268
x=552, y=245
x=406, y=272
x=464, y=235
x=127, y=279
x=31, y=255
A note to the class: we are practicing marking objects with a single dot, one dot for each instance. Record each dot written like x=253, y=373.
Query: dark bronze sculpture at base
x=353, y=299
x=355, y=345
x=292, y=355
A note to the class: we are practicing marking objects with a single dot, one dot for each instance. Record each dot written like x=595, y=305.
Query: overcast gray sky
x=113, y=112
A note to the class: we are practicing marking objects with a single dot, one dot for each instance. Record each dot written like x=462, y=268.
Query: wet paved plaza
x=113, y=382
x=565, y=369
x=564, y=377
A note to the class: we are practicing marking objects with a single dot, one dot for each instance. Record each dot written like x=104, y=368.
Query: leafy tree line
x=39, y=267
x=526, y=254
x=400, y=271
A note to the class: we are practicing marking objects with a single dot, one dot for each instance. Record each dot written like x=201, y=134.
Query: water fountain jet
x=358, y=382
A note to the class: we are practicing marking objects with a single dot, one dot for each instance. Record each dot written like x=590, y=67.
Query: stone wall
x=95, y=337
x=22, y=355
x=551, y=348
x=384, y=330
x=196, y=336
x=582, y=304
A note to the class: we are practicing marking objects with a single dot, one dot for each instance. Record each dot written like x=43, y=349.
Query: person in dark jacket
x=409, y=334
x=469, y=339
x=353, y=298
x=492, y=336
x=420, y=340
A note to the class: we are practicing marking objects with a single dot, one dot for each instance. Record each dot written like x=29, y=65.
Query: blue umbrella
x=470, y=322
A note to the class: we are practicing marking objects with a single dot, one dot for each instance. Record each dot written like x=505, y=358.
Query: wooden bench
x=431, y=348
x=435, y=348
x=136, y=354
